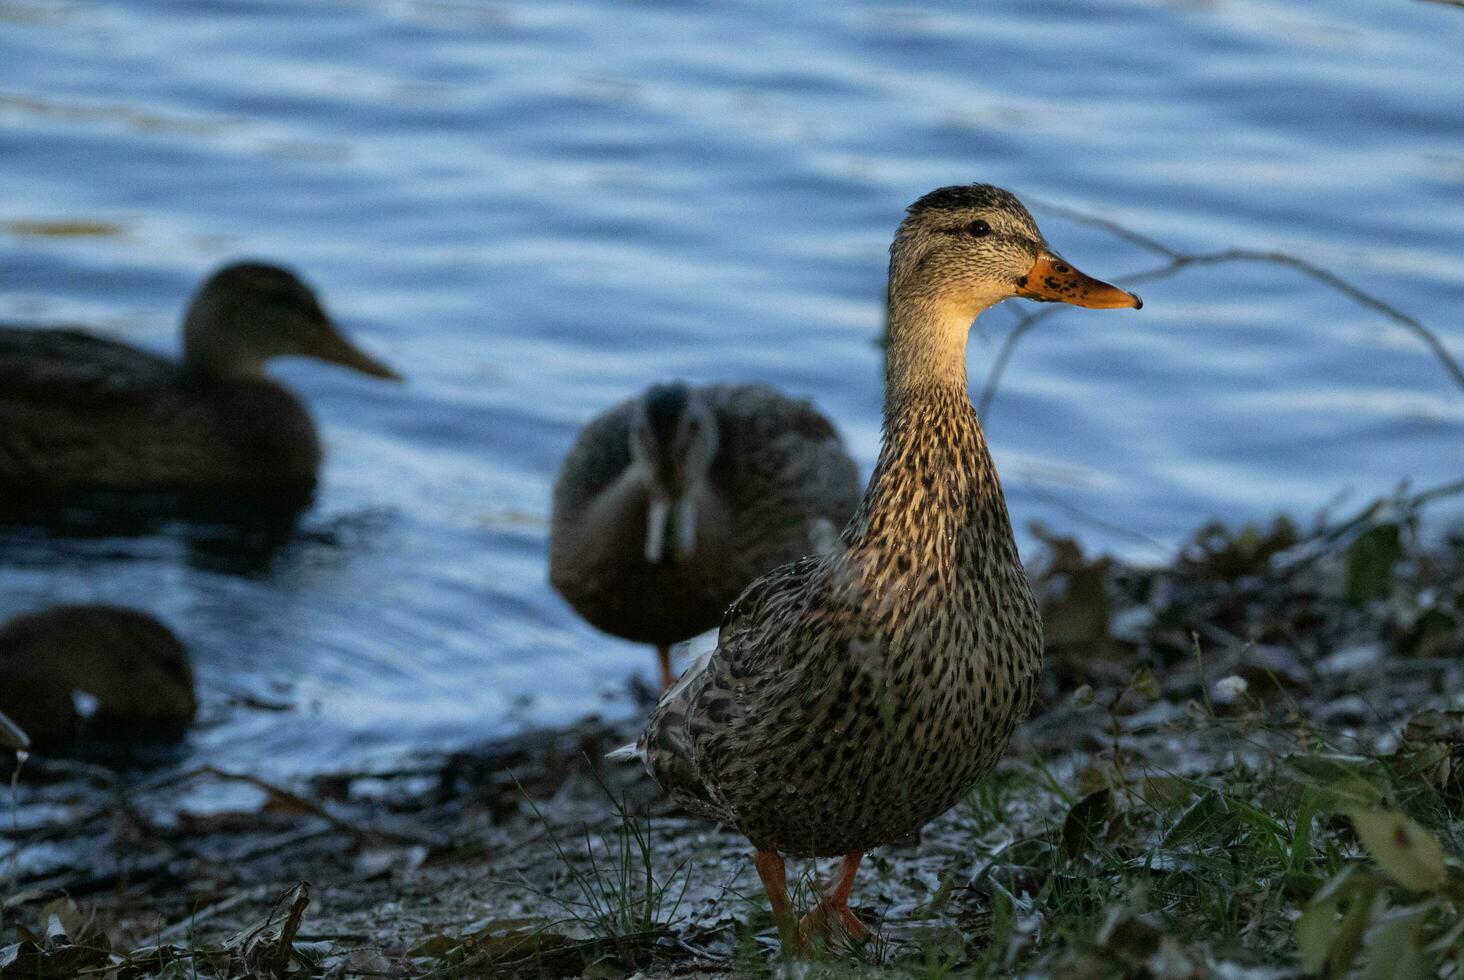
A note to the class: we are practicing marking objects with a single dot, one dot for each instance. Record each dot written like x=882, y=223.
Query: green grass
x=614, y=890
x=1217, y=865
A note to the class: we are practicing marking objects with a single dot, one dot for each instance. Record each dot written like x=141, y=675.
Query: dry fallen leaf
x=1405, y=851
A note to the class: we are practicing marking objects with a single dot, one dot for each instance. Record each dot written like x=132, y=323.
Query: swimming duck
x=137, y=671
x=79, y=412
x=669, y=504
x=854, y=697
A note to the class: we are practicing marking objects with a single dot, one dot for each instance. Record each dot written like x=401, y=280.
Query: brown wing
x=709, y=696
x=78, y=411
x=72, y=367
x=784, y=469
x=599, y=455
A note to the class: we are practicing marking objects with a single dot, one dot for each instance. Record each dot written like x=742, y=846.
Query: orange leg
x=835, y=902
x=668, y=677
x=774, y=875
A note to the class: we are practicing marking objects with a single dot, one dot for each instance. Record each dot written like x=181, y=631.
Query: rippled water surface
x=533, y=209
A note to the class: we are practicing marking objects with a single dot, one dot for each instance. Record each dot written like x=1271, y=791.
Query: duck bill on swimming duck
x=329, y=344
x=1052, y=279
x=670, y=529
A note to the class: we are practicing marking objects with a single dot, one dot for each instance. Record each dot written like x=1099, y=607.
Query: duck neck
x=211, y=348
x=927, y=352
x=934, y=493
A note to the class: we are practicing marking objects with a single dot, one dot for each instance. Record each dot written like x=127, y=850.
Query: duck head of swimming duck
x=673, y=440
x=962, y=249
x=248, y=313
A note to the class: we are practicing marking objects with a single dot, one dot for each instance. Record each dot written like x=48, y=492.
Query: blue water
x=535, y=208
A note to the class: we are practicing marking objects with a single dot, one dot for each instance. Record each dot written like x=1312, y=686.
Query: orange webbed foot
x=831, y=922
x=832, y=926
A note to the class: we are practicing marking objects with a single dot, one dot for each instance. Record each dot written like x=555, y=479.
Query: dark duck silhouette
x=80, y=413
x=133, y=667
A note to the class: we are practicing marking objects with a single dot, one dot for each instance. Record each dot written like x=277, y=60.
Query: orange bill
x=1052, y=280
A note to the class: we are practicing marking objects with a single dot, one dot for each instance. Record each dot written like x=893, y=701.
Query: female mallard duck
x=854, y=697
x=79, y=413
x=669, y=504
x=140, y=676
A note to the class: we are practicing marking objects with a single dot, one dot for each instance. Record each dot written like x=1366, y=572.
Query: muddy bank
x=1213, y=737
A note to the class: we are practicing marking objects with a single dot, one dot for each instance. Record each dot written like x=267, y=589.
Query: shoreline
x=1264, y=675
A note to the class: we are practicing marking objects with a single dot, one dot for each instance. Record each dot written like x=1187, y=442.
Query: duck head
x=673, y=440
x=961, y=249
x=247, y=313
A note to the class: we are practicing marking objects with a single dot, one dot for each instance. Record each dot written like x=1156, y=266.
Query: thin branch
x=1439, y=492
x=1093, y=520
x=13, y=864
x=12, y=736
x=320, y=810
x=1354, y=293
x=1026, y=321
x=1178, y=261
x=184, y=927
x=1112, y=227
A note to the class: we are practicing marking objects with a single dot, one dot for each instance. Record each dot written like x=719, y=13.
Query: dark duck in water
x=854, y=697
x=81, y=413
x=132, y=666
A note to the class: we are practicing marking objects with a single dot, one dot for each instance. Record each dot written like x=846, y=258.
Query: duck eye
x=978, y=229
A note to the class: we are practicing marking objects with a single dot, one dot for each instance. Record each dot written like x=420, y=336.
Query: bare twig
x=13, y=865
x=185, y=927
x=319, y=810
x=1025, y=321
x=1354, y=293
x=1093, y=520
x=96, y=879
x=1110, y=226
x=1176, y=261
x=12, y=736
x=158, y=864
x=1452, y=489
x=1335, y=531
